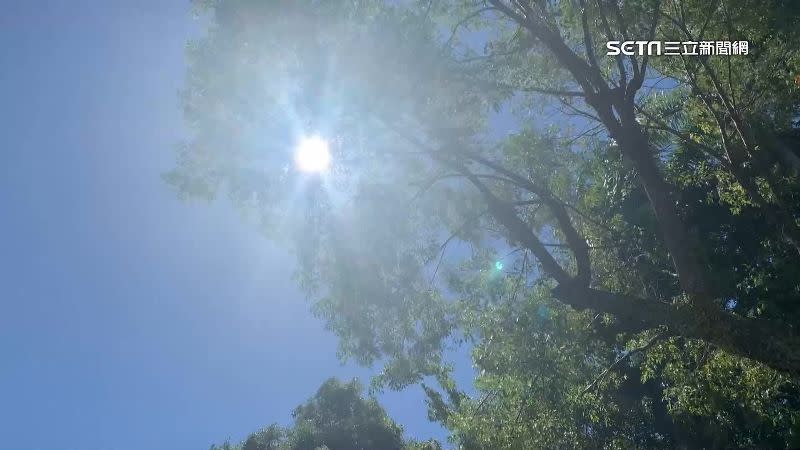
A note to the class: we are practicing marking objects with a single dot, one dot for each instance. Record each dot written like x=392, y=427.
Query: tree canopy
x=623, y=263
x=337, y=417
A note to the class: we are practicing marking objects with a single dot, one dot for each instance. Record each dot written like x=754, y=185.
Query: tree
x=337, y=417
x=660, y=223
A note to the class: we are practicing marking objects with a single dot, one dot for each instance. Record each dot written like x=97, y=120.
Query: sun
x=312, y=155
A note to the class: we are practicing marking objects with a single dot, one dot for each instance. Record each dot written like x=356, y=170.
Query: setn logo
x=690, y=48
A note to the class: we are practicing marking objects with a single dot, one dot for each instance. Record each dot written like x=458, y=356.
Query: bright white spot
x=312, y=155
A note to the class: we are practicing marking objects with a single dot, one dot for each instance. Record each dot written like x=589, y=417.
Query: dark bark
x=771, y=344
x=691, y=272
x=576, y=243
x=520, y=231
x=775, y=346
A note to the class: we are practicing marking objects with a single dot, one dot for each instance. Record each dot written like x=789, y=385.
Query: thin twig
x=443, y=247
x=624, y=357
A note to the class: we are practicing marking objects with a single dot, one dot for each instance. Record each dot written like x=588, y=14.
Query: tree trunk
x=691, y=273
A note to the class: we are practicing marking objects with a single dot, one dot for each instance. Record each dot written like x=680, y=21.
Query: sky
x=130, y=319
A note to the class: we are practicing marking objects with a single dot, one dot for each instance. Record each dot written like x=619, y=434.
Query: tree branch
x=576, y=242
x=640, y=73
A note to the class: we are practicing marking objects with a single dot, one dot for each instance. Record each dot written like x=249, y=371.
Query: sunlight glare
x=313, y=155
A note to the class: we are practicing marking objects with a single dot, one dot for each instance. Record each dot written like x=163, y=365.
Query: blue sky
x=128, y=319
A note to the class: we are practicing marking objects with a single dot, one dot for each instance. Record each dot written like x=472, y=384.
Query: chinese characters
x=677, y=48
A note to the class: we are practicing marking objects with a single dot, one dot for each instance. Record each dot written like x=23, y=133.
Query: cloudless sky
x=128, y=319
